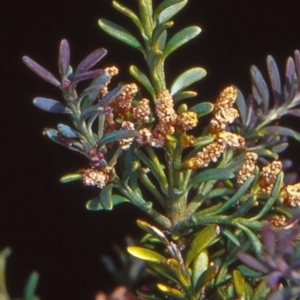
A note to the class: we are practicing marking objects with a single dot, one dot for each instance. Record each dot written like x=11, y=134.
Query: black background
x=44, y=221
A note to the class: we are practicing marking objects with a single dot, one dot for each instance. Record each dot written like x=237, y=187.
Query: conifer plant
x=222, y=209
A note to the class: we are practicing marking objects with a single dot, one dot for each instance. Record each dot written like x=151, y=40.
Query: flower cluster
x=268, y=176
x=139, y=113
x=278, y=221
x=291, y=195
x=248, y=167
x=94, y=177
x=223, y=115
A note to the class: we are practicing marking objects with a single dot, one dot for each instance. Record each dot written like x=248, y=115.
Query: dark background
x=44, y=221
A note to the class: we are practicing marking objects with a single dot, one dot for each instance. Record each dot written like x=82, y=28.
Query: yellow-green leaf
x=200, y=264
x=239, y=285
x=202, y=240
x=145, y=254
x=171, y=291
x=70, y=177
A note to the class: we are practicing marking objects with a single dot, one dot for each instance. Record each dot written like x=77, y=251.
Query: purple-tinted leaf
x=278, y=130
x=252, y=262
x=294, y=112
x=90, y=111
x=268, y=238
x=297, y=62
x=117, y=135
x=261, y=86
x=64, y=58
x=241, y=105
x=51, y=105
x=90, y=61
x=287, y=239
x=285, y=294
x=67, y=142
x=111, y=96
x=53, y=135
x=257, y=95
x=68, y=131
x=289, y=76
x=295, y=101
x=275, y=79
x=87, y=75
x=274, y=278
x=89, y=95
x=280, y=147
x=40, y=71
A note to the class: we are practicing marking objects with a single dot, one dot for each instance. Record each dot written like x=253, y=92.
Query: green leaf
x=162, y=272
x=228, y=234
x=257, y=246
x=167, y=9
x=222, y=293
x=94, y=204
x=212, y=174
x=142, y=79
x=237, y=196
x=130, y=164
x=121, y=34
x=105, y=197
x=184, y=95
x=202, y=109
x=174, y=293
x=116, y=136
x=180, y=38
x=239, y=285
x=146, y=254
x=247, y=272
x=261, y=292
x=128, y=13
x=146, y=12
x=157, y=32
x=186, y=79
x=209, y=274
x=70, y=177
x=202, y=240
x=117, y=199
x=156, y=171
x=30, y=287
x=161, y=42
x=200, y=265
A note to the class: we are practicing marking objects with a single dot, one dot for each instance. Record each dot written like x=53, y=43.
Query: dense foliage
x=223, y=214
